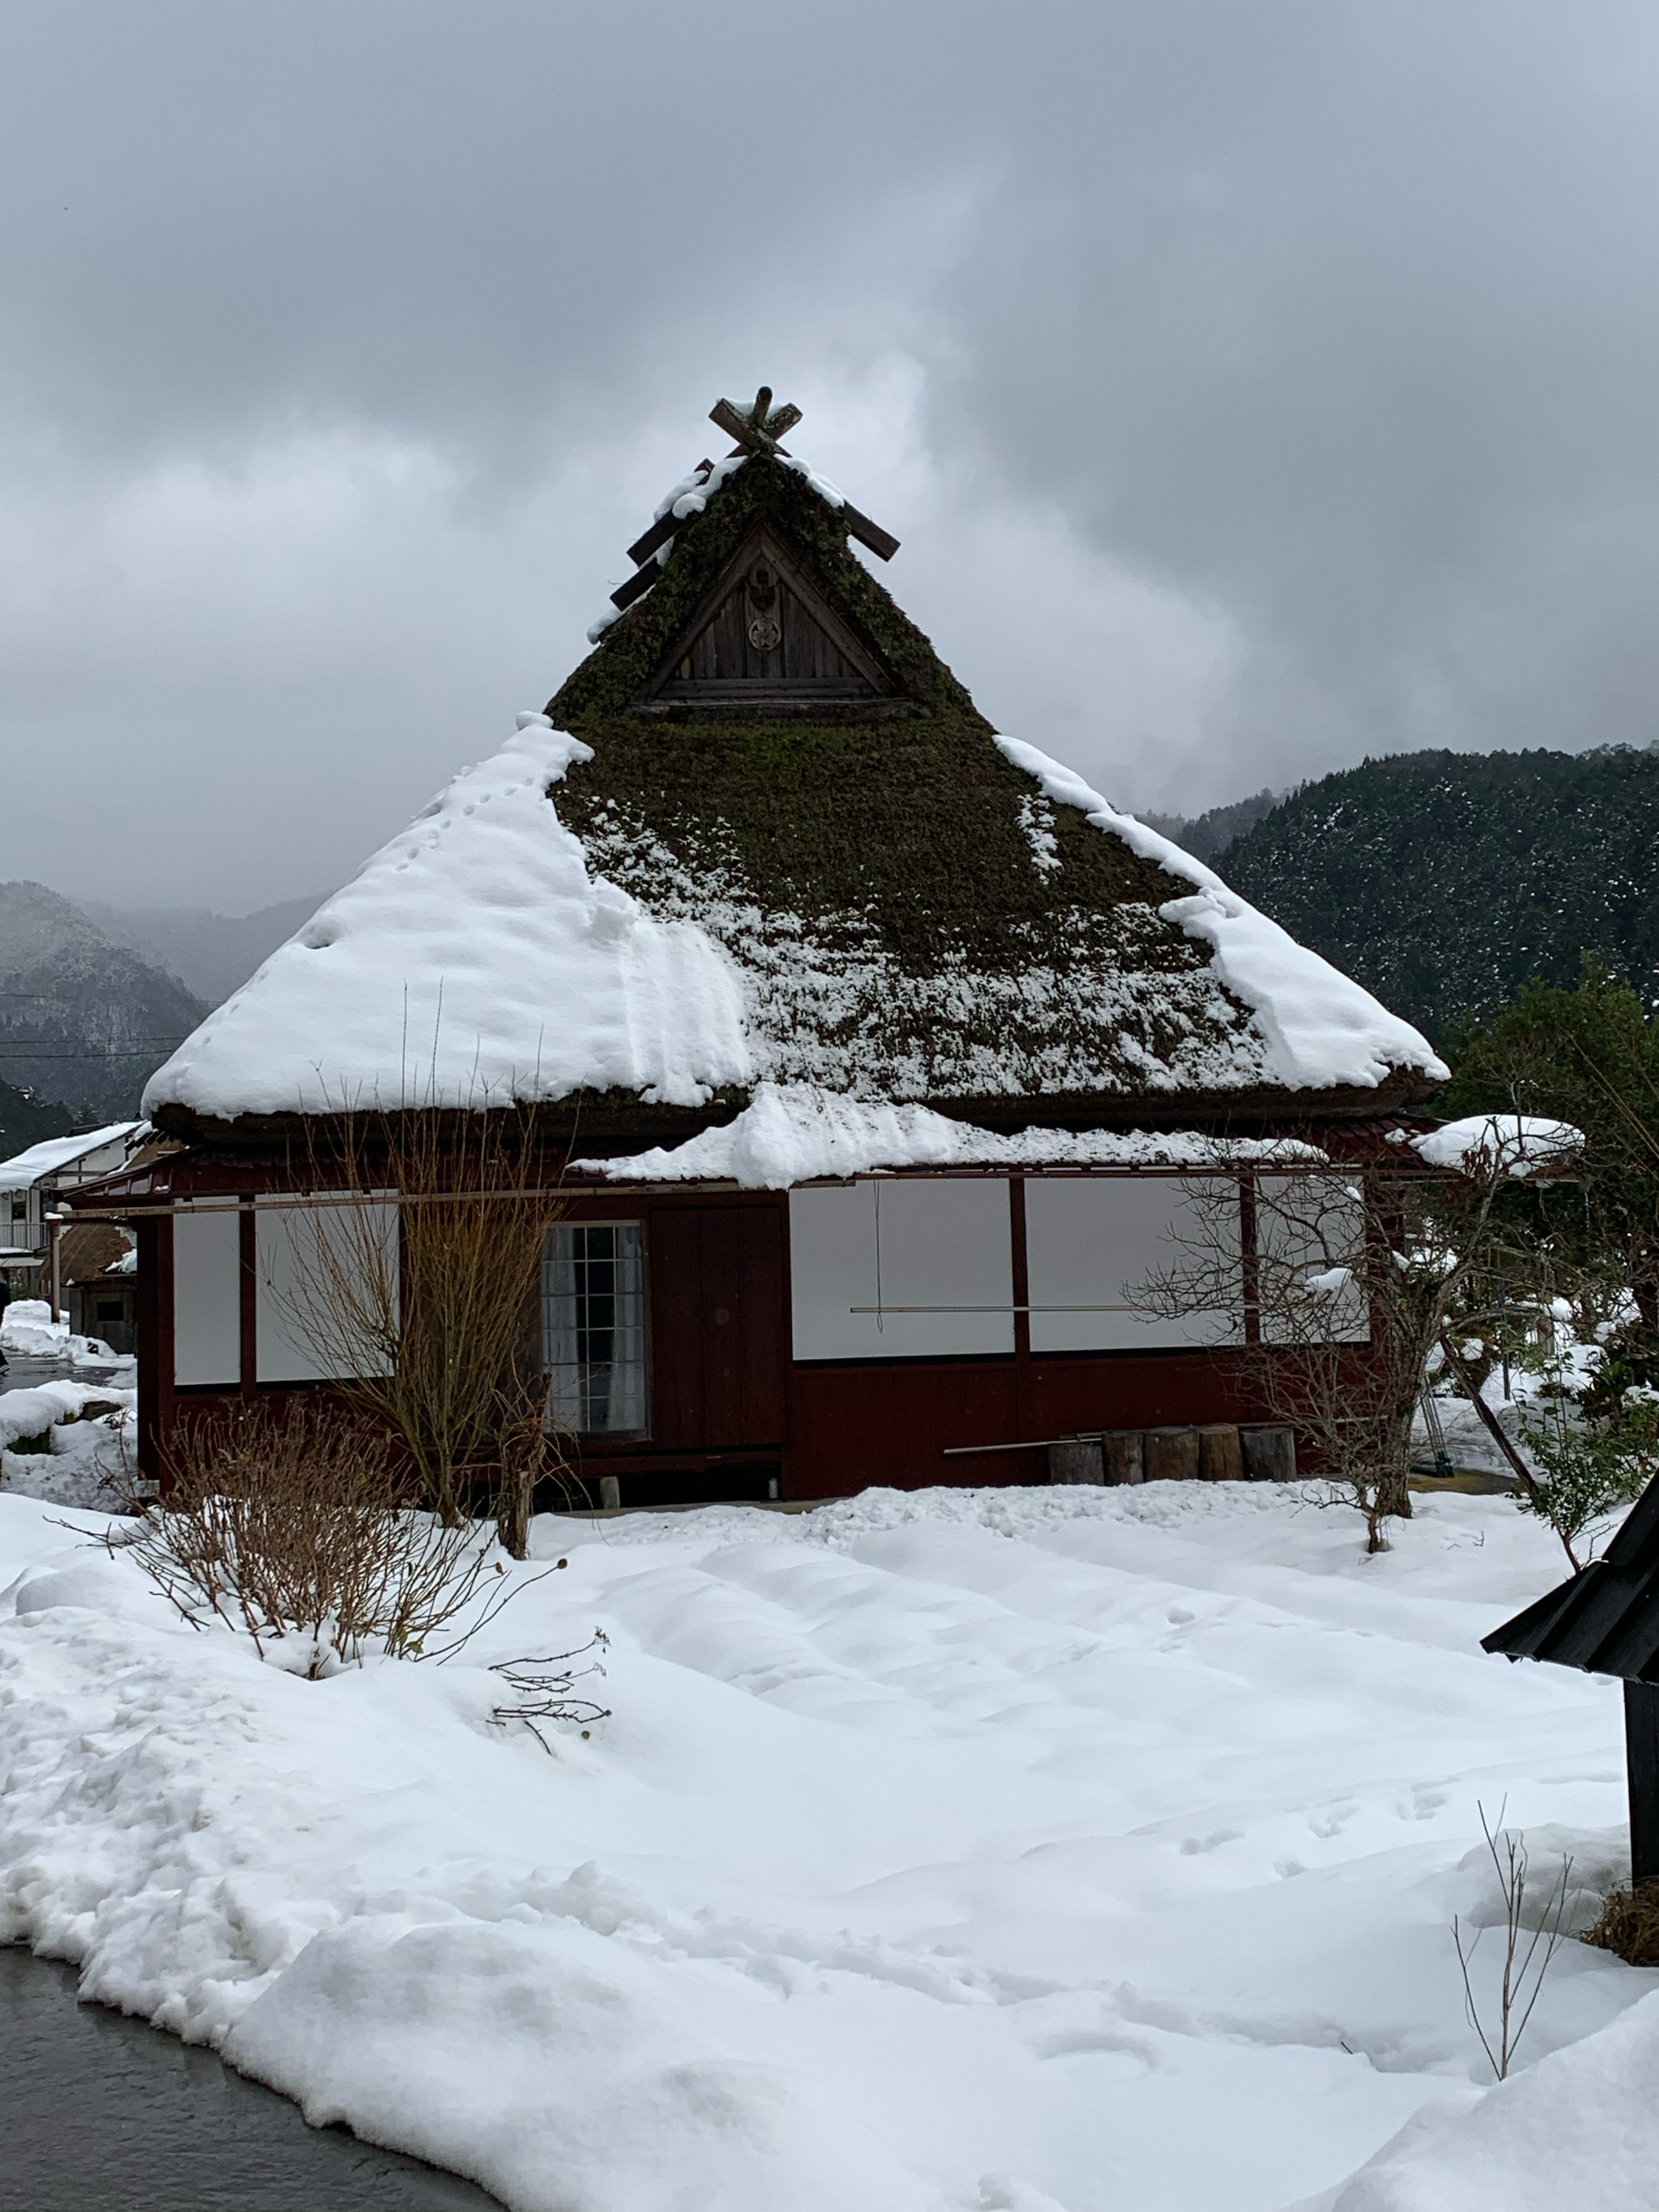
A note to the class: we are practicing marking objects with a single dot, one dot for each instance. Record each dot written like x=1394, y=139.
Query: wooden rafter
x=756, y=432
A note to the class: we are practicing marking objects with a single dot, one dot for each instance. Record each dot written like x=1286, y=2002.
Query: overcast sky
x=1253, y=387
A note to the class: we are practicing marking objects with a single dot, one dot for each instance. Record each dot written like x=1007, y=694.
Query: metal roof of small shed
x=1605, y=1618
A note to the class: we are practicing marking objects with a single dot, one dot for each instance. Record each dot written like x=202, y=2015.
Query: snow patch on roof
x=794, y=1132
x=1515, y=1144
x=53, y=1154
x=1320, y=1028
x=474, y=959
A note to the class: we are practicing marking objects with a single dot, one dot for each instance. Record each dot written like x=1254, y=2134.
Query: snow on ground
x=87, y=1430
x=27, y=1331
x=1088, y=1848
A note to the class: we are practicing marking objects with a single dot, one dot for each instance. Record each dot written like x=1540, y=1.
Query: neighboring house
x=34, y=1183
x=99, y=1271
x=881, y=1049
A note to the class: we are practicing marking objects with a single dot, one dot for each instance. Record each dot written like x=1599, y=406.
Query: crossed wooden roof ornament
x=756, y=432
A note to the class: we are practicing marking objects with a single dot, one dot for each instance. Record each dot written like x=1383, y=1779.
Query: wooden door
x=717, y=1325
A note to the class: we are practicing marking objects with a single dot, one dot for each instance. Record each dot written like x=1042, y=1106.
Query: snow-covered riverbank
x=974, y=1851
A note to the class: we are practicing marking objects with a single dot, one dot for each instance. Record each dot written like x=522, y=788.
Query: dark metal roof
x=1606, y=1620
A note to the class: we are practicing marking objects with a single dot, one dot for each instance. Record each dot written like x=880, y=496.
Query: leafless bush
x=414, y=1283
x=1628, y=1924
x=1525, y=1964
x=293, y=1525
x=541, y=1688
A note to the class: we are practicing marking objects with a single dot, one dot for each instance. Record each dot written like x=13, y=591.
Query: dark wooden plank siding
x=724, y=652
x=885, y=1422
x=718, y=1326
x=888, y=1422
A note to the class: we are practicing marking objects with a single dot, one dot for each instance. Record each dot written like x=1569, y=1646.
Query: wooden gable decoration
x=765, y=636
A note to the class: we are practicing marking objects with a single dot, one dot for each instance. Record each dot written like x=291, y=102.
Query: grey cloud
x=1323, y=335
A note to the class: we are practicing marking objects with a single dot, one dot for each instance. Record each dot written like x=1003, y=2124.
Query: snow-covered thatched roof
x=648, y=896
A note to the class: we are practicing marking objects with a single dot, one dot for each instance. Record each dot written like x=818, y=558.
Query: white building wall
x=207, y=1283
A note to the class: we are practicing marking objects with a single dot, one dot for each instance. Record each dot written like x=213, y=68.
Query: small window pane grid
x=593, y=1327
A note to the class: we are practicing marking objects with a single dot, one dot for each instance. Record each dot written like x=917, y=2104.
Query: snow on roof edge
x=791, y=1133
x=472, y=960
x=1320, y=1027
x=26, y=1166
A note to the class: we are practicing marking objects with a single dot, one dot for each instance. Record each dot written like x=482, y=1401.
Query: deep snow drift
x=1027, y=1849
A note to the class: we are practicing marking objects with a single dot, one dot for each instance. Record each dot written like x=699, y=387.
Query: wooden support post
x=247, y=1229
x=1019, y=1275
x=1642, y=1763
x=1489, y=1420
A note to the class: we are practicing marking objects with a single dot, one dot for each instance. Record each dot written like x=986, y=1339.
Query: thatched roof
x=847, y=881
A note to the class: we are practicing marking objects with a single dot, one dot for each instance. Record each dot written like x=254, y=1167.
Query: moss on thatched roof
x=912, y=918
x=884, y=900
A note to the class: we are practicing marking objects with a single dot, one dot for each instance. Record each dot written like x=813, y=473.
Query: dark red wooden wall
x=729, y=1409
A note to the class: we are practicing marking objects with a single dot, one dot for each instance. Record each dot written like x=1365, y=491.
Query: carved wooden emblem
x=761, y=605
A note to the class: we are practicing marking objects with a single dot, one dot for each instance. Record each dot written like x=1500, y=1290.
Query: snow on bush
x=949, y=1851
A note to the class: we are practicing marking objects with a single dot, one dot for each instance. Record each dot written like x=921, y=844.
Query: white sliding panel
x=1089, y=1242
x=1308, y=1229
x=934, y=1254
x=305, y=1253
x=207, y=1296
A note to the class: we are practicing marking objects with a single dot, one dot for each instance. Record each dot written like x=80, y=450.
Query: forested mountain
x=82, y=1021
x=26, y=1120
x=1443, y=881
x=1204, y=836
x=211, y=953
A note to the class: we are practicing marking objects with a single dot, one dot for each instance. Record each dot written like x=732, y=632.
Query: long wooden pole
x=1494, y=1427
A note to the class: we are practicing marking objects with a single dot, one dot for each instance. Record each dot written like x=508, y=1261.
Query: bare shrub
x=1525, y=1963
x=433, y=1331
x=1628, y=1924
x=542, y=1688
x=293, y=1526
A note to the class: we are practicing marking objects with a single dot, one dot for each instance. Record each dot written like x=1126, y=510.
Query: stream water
x=101, y=2113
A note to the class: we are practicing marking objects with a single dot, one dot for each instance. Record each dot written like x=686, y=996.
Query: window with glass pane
x=594, y=1325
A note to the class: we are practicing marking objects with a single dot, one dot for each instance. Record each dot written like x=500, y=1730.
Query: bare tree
x=412, y=1280
x=1336, y=1290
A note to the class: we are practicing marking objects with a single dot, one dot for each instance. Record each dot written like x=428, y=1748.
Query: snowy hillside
x=1050, y=1850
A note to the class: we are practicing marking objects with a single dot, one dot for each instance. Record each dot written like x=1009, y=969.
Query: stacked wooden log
x=1219, y=1451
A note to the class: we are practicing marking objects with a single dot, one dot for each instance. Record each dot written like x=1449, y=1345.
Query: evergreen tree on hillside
x=26, y=1120
x=1589, y=1056
x=1446, y=882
